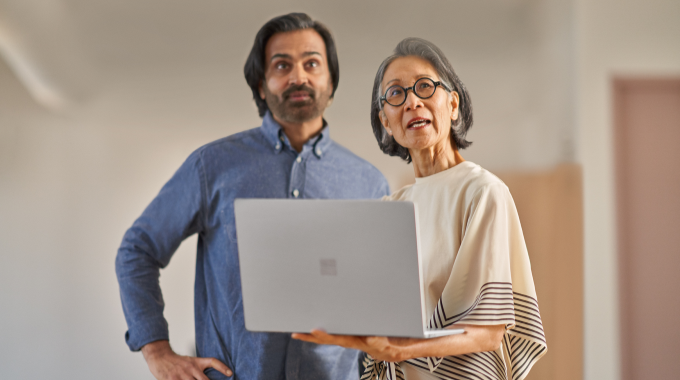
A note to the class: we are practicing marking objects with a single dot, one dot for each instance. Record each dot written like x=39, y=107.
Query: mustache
x=296, y=88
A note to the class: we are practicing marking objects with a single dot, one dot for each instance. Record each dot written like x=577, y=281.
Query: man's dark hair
x=419, y=47
x=255, y=65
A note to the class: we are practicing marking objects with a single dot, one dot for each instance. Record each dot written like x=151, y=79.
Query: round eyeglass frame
x=413, y=88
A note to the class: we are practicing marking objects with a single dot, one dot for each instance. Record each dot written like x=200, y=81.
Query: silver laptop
x=344, y=266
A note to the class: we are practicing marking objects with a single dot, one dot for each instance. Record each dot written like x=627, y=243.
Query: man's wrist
x=154, y=349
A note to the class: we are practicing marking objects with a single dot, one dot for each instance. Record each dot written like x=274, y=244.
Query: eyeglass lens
x=423, y=88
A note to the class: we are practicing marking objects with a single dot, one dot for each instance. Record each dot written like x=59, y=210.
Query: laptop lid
x=346, y=266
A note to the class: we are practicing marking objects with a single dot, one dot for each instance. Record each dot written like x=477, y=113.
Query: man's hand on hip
x=165, y=364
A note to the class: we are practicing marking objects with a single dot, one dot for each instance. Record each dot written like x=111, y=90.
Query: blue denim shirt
x=199, y=198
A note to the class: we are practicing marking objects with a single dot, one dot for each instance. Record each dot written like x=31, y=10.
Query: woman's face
x=418, y=123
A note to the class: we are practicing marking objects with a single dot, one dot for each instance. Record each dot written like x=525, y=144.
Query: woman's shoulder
x=480, y=178
x=471, y=183
x=467, y=178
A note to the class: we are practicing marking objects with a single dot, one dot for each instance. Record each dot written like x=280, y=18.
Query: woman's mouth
x=418, y=123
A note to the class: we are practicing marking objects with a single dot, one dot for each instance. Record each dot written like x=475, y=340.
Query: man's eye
x=281, y=66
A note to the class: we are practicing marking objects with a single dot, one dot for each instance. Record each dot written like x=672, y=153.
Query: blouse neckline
x=444, y=173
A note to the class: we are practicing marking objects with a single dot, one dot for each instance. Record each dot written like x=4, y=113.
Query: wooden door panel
x=647, y=159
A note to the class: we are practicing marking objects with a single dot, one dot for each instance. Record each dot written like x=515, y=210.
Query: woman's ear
x=454, y=104
x=385, y=122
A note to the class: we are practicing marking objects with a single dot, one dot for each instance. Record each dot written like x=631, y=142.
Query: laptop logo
x=328, y=267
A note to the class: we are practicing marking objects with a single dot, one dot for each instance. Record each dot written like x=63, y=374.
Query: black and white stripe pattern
x=496, y=303
x=477, y=366
x=525, y=343
x=493, y=306
x=381, y=370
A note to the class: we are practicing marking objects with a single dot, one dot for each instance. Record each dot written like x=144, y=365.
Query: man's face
x=297, y=85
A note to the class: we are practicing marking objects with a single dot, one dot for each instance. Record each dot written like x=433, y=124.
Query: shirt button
x=318, y=151
x=298, y=160
x=296, y=193
x=278, y=146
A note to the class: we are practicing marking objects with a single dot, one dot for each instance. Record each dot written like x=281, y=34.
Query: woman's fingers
x=321, y=337
x=304, y=337
x=316, y=336
x=379, y=347
x=349, y=341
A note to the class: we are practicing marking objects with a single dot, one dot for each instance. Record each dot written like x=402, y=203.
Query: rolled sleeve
x=148, y=246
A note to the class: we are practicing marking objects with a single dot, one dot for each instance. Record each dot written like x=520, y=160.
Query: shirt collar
x=278, y=140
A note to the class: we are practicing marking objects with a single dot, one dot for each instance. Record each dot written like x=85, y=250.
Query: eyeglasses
x=423, y=88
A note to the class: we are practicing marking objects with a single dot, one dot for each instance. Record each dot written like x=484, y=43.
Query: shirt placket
x=297, y=176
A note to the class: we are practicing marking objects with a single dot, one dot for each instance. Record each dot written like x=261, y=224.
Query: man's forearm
x=141, y=297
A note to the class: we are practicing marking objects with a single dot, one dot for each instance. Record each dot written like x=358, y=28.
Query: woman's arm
x=475, y=339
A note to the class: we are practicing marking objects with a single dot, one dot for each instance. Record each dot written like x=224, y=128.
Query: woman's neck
x=434, y=159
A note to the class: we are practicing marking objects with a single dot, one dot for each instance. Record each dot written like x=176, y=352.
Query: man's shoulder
x=250, y=138
x=349, y=158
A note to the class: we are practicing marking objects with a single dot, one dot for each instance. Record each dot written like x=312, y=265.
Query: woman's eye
x=424, y=85
x=313, y=64
x=395, y=91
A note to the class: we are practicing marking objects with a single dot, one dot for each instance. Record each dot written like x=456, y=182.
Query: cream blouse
x=476, y=271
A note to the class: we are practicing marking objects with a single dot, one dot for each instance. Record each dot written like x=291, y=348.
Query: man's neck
x=299, y=133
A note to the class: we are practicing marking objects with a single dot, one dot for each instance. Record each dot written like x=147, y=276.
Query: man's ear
x=385, y=123
x=260, y=90
x=455, y=101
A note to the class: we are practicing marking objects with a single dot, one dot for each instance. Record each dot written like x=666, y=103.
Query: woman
x=476, y=270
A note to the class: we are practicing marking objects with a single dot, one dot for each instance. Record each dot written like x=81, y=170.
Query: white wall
x=637, y=38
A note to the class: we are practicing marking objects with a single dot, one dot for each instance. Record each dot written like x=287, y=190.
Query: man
x=293, y=73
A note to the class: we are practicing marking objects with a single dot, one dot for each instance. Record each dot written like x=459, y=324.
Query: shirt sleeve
x=491, y=281
x=174, y=215
x=383, y=189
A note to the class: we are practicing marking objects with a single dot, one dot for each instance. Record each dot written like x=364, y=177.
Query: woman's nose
x=412, y=101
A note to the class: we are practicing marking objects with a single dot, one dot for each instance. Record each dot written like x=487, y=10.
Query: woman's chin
x=420, y=145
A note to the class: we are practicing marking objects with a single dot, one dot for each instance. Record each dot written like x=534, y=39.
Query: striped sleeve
x=525, y=342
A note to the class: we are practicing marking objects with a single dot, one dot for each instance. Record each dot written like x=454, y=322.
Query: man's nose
x=298, y=75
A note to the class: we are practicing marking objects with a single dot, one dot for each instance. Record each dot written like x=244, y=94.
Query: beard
x=297, y=111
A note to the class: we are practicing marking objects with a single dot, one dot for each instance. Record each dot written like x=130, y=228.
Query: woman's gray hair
x=426, y=50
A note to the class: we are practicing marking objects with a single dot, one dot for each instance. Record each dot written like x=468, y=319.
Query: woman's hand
x=475, y=339
x=379, y=347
